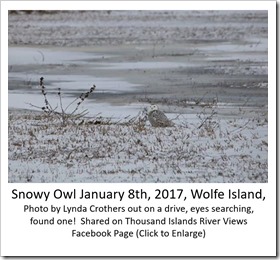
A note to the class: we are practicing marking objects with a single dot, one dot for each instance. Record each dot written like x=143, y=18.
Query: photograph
x=137, y=96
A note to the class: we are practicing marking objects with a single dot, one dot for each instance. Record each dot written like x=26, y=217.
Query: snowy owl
x=157, y=118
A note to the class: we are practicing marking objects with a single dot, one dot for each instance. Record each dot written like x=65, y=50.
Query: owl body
x=157, y=118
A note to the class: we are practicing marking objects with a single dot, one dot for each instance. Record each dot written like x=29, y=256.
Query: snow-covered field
x=42, y=150
x=207, y=70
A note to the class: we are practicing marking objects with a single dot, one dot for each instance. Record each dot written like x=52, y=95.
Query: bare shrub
x=63, y=115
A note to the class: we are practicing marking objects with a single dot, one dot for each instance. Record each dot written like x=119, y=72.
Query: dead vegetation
x=63, y=115
x=40, y=150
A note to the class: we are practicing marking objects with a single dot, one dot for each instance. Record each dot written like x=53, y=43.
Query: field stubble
x=41, y=149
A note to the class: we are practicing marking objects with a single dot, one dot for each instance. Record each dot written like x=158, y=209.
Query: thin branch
x=71, y=103
x=207, y=118
x=60, y=101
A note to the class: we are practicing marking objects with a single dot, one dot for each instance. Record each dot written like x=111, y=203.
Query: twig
x=207, y=118
x=82, y=97
x=63, y=115
x=60, y=101
x=71, y=103
x=48, y=105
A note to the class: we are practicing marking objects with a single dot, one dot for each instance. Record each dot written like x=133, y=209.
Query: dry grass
x=43, y=150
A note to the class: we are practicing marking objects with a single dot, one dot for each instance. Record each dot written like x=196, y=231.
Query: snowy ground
x=206, y=69
x=42, y=150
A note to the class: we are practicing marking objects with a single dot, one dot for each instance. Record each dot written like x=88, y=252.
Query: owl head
x=152, y=108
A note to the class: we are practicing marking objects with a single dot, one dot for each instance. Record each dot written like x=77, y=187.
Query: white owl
x=157, y=118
